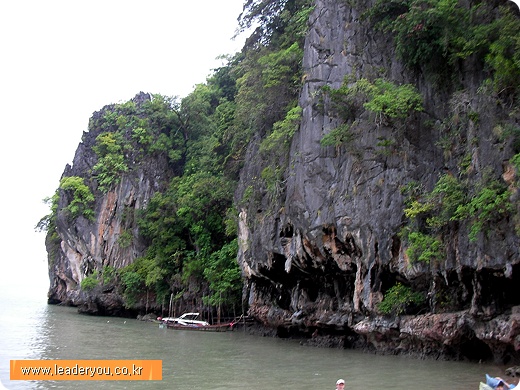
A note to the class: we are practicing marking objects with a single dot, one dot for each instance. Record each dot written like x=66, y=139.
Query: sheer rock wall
x=84, y=245
x=318, y=259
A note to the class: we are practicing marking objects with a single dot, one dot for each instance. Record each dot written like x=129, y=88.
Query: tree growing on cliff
x=437, y=35
x=185, y=226
x=400, y=298
x=82, y=198
x=390, y=103
x=111, y=161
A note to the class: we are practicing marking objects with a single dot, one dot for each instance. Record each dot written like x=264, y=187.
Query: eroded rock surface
x=319, y=259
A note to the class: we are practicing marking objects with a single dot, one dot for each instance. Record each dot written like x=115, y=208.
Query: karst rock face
x=84, y=245
x=319, y=258
x=322, y=252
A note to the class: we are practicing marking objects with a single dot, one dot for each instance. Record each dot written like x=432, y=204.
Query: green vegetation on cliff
x=190, y=227
x=439, y=39
x=437, y=35
x=388, y=101
x=249, y=107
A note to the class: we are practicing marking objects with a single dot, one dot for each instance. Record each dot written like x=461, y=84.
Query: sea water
x=31, y=329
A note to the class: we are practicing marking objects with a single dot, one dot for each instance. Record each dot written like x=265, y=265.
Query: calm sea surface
x=31, y=329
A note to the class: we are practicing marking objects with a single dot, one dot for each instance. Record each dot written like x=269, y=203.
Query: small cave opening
x=396, y=246
x=375, y=278
x=510, y=356
x=311, y=288
x=287, y=231
x=353, y=340
x=386, y=279
x=294, y=332
x=276, y=272
x=454, y=291
x=343, y=286
x=346, y=247
x=510, y=285
x=283, y=332
x=283, y=299
x=498, y=290
x=381, y=278
x=350, y=246
x=475, y=350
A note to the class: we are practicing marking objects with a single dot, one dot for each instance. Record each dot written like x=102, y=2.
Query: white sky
x=61, y=60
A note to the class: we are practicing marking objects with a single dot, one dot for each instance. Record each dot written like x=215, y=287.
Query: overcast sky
x=62, y=60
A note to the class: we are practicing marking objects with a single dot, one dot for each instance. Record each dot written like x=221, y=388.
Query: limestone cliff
x=110, y=239
x=417, y=210
x=319, y=259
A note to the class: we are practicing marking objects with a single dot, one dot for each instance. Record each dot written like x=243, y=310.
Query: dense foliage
x=399, y=299
x=437, y=35
x=389, y=102
x=190, y=227
x=452, y=200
